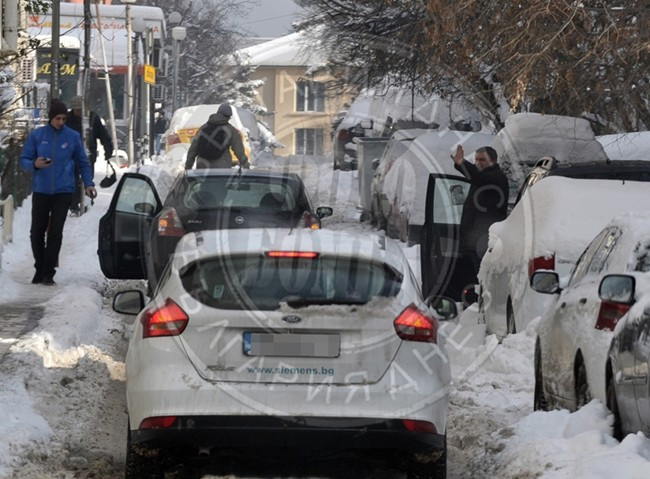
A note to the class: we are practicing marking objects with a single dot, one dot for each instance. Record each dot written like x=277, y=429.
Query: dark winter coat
x=65, y=149
x=486, y=203
x=232, y=138
x=97, y=132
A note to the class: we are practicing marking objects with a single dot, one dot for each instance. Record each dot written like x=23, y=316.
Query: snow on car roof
x=627, y=146
x=241, y=241
x=562, y=215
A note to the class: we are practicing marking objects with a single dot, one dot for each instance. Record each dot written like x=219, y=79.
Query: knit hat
x=57, y=107
x=225, y=109
x=77, y=102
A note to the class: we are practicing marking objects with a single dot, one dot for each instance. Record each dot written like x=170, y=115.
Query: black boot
x=38, y=278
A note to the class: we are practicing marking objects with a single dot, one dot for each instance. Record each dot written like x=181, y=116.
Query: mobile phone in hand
x=47, y=160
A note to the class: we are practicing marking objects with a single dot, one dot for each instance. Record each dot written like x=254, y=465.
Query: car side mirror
x=128, y=302
x=617, y=288
x=444, y=307
x=546, y=282
x=146, y=208
x=324, y=211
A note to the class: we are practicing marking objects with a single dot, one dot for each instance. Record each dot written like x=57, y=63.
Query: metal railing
x=7, y=220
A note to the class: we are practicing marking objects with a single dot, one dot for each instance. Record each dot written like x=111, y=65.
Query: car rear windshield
x=239, y=192
x=260, y=282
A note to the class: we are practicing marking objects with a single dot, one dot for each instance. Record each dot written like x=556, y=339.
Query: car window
x=134, y=193
x=229, y=192
x=448, y=198
x=262, y=282
x=604, y=250
x=582, y=266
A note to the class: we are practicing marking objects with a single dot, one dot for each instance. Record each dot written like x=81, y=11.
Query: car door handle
x=582, y=300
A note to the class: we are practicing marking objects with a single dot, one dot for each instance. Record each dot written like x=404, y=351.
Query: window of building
x=309, y=141
x=310, y=96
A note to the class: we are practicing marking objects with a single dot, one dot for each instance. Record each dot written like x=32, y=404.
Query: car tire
x=539, y=399
x=511, y=325
x=583, y=395
x=139, y=466
x=431, y=465
x=612, y=405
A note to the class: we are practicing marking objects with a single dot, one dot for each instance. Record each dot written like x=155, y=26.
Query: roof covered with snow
x=296, y=49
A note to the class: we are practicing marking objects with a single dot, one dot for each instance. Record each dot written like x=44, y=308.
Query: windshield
x=261, y=282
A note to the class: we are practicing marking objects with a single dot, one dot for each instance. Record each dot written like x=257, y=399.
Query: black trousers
x=48, y=217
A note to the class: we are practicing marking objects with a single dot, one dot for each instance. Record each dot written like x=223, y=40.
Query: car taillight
x=166, y=320
x=541, y=262
x=158, y=422
x=169, y=224
x=609, y=314
x=172, y=139
x=419, y=426
x=310, y=221
x=413, y=325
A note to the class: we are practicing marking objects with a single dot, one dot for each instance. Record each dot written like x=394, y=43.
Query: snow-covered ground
x=62, y=377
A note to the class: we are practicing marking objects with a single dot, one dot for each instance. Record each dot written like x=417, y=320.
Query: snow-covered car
x=548, y=229
x=138, y=233
x=397, y=145
x=186, y=121
x=405, y=185
x=291, y=338
x=627, y=385
x=528, y=137
x=574, y=339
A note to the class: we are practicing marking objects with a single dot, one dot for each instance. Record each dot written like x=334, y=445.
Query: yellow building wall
x=278, y=95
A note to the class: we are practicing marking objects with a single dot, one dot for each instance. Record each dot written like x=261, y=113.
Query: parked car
x=280, y=338
x=571, y=351
x=405, y=185
x=548, y=229
x=397, y=145
x=186, y=121
x=626, y=374
x=625, y=170
x=138, y=233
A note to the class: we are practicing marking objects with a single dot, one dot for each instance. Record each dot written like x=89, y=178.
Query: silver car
x=286, y=338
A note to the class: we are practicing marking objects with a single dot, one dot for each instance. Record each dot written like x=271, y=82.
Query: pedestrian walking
x=160, y=127
x=51, y=153
x=486, y=202
x=210, y=148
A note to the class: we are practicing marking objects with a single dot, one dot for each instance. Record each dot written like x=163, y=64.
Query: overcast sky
x=272, y=18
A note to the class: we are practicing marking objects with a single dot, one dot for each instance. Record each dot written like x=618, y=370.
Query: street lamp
x=178, y=34
x=130, y=150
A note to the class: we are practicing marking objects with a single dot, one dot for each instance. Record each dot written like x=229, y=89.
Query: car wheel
x=612, y=405
x=139, y=465
x=510, y=318
x=430, y=465
x=583, y=396
x=539, y=401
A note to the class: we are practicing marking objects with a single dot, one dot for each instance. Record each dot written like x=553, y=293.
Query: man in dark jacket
x=52, y=153
x=210, y=148
x=486, y=201
x=96, y=131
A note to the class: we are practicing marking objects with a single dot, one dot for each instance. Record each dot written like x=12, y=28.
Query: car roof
x=592, y=168
x=328, y=242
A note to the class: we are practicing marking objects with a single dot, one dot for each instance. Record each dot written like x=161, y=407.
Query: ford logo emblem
x=291, y=319
x=239, y=220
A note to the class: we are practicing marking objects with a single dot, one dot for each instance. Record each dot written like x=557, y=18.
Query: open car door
x=444, y=270
x=124, y=228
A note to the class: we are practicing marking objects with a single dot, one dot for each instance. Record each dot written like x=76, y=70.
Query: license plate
x=293, y=345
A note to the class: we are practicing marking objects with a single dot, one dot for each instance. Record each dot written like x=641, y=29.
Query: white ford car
x=286, y=338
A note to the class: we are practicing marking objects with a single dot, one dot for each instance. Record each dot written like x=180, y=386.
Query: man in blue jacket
x=51, y=153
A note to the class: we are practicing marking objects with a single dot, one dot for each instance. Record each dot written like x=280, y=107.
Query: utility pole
x=55, y=40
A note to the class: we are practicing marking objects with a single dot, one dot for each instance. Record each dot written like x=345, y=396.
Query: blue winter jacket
x=65, y=149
